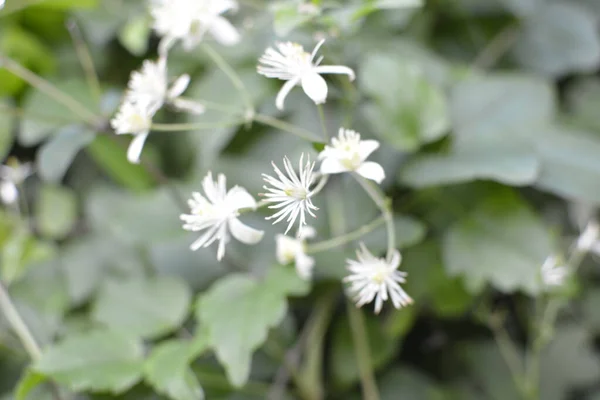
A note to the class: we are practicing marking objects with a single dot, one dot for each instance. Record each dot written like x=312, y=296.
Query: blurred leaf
x=501, y=242
x=167, y=370
x=135, y=34
x=343, y=366
x=56, y=155
x=583, y=99
x=44, y=116
x=404, y=383
x=499, y=105
x=20, y=250
x=96, y=361
x=523, y=8
x=148, y=308
x=68, y=4
x=568, y=361
x=28, y=382
x=6, y=128
x=112, y=158
x=409, y=232
x=559, y=38
x=238, y=310
x=408, y=110
x=56, y=211
x=288, y=15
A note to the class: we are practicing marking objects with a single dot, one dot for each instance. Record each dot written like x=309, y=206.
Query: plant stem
x=233, y=77
x=323, y=122
x=508, y=351
x=380, y=201
x=18, y=325
x=284, y=126
x=343, y=239
x=49, y=89
x=193, y=126
x=85, y=59
x=362, y=352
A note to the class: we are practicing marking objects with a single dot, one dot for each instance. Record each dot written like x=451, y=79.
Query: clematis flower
x=134, y=118
x=348, y=153
x=376, y=279
x=553, y=273
x=12, y=175
x=289, y=62
x=294, y=250
x=189, y=20
x=291, y=193
x=217, y=214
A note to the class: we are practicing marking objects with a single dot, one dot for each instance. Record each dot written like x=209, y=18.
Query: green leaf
x=6, y=129
x=408, y=110
x=147, y=308
x=501, y=242
x=237, y=312
x=495, y=106
x=287, y=17
x=512, y=163
x=343, y=365
x=95, y=361
x=167, y=370
x=405, y=383
x=56, y=211
x=570, y=164
x=569, y=361
x=409, y=232
x=68, y=4
x=44, y=116
x=56, y=155
x=559, y=38
x=28, y=382
x=134, y=35
x=112, y=158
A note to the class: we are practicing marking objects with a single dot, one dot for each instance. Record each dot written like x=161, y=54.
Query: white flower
x=376, y=279
x=1, y=4
x=294, y=250
x=136, y=119
x=292, y=192
x=217, y=214
x=11, y=177
x=150, y=86
x=289, y=62
x=588, y=238
x=189, y=20
x=348, y=153
x=553, y=273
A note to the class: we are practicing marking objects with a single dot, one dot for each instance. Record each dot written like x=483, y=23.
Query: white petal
x=284, y=91
x=8, y=192
x=371, y=170
x=315, y=87
x=304, y=265
x=332, y=166
x=179, y=86
x=335, y=69
x=135, y=147
x=190, y=106
x=367, y=147
x=244, y=233
x=239, y=198
x=224, y=32
x=286, y=249
x=396, y=259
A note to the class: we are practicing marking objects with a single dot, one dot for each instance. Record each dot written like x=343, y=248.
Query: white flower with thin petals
x=12, y=176
x=136, y=119
x=1, y=4
x=588, y=237
x=189, y=20
x=294, y=250
x=217, y=214
x=289, y=62
x=376, y=279
x=553, y=273
x=291, y=193
x=348, y=153
x=150, y=85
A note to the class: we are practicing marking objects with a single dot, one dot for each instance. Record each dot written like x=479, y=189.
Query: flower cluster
x=289, y=193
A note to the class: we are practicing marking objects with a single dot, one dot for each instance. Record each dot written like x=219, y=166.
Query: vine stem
x=49, y=89
x=323, y=124
x=343, y=239
x=233, y=77
x=85, y=59
x=18, y=325
x=380, y=201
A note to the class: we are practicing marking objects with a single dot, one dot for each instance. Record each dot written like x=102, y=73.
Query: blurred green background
x=488, y=112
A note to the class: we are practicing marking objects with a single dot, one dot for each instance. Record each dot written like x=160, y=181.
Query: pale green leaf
x=28, y=383
x=167, y=370
x=501, y=242
x=6, y=129
x=135, y=34
x=146, y=308
x=237, y=312
x=56, y=211
x=559, y=38
x=96, y=361
x=56, y=155
x=405, y=383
